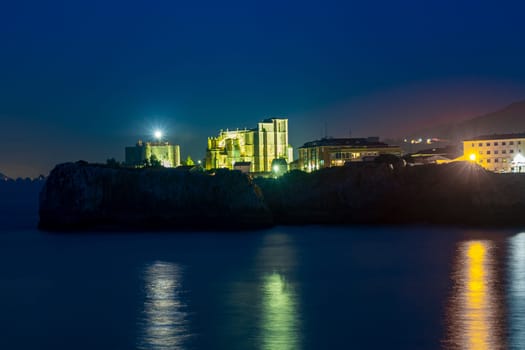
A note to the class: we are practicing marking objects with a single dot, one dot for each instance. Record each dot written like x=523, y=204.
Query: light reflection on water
x=516, y=291
x=280, y=319
x=164, y=322
x=280, y=324
x=475, y=317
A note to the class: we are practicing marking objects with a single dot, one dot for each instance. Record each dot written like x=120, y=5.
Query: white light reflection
x=280, y=324
x=280, y=317
x=165, y=324
x=474, y=318
x=516, y=293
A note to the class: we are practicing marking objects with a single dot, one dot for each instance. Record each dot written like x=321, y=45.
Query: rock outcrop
x=458, y=193
x=83, y=196
x=79, y=195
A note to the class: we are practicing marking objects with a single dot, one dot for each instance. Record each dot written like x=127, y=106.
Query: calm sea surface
x=307, y=287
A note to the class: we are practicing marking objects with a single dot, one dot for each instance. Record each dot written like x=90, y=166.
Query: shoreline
x=79, y=196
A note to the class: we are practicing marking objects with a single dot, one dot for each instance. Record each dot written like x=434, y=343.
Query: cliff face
x=78, y=195
x=456, y=194
x=86, y=196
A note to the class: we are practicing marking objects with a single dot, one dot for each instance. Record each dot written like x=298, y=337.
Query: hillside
x=510, y=119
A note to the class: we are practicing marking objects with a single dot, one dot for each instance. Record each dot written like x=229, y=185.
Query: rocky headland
x=85, y=196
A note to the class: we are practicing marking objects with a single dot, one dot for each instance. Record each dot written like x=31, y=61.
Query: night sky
x=83, y=79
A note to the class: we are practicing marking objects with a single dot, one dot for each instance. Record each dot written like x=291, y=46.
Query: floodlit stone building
x=329, y=152
x=166, y=153
x=498, y=152
x=258, y=146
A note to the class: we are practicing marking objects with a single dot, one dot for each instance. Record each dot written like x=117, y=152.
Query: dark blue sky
x=80, y=80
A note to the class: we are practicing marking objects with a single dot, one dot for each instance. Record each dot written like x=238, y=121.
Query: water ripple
x=164, y=322
x=475, y=317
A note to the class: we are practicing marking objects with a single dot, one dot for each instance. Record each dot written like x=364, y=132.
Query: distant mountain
x=510, y=119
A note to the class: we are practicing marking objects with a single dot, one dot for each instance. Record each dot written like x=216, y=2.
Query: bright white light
x=472, y=157
x=158, y=134
x=519, y=158
x=276, y=168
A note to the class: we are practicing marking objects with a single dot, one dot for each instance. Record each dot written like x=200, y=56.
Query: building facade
x=166, y=153
x=258, y=146
x=498, y=152
x=326, y=153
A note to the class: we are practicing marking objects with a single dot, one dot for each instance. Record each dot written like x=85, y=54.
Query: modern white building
x=497, y=152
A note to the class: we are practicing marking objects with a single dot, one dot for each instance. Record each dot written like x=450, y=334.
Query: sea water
x=310, y=287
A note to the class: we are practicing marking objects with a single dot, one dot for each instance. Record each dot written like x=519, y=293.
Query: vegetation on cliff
x=79, y=195
x=459, y=193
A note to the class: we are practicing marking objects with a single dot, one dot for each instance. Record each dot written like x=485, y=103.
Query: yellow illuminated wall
x=500, y=155
x=259, y=146
x=230, y=147
x=166, y=153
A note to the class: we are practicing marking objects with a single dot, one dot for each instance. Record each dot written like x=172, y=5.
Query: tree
x=189, y=161
x=155, y=162
x=152, y=162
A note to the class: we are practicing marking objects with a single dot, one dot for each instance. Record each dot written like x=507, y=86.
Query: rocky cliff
x=457, y=194
x=85, y=196
x=80, y=195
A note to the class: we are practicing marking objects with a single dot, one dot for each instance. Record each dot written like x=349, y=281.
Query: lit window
x=480, y=152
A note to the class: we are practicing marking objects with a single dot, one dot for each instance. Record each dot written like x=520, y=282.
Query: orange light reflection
x=473, y=313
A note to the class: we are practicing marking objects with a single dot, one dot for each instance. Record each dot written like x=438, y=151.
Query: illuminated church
x=258, y=147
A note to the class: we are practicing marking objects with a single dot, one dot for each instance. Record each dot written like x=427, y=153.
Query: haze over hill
x=510, y=119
